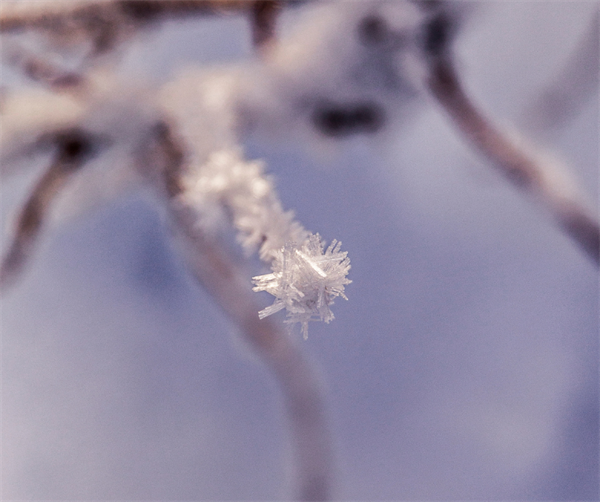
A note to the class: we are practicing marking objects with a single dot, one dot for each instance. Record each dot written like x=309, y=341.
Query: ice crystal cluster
x=306, y=277
x=305, y=281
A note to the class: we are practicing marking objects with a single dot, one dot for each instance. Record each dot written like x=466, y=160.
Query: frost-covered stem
x=523, y=169
x=225, y=280
x=73, y=149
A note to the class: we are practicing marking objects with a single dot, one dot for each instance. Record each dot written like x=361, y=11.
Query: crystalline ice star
x=305, y=281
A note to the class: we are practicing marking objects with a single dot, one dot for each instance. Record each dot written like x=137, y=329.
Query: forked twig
x=229, y=285
x=73, y=149
x=523, y=169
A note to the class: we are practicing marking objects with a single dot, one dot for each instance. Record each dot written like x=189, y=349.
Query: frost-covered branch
x=532, y=172
x=226, y=180
x=228, y=284
x=305, y=279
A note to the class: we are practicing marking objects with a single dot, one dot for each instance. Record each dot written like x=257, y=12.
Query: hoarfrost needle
x=305, y=281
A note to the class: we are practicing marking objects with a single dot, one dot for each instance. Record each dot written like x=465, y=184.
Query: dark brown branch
x=74, y=148
x=229, y=285
x=264, y=17
x=521, y=168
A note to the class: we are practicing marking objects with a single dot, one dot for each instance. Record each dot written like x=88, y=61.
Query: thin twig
x=100, y=19
x=74, y=147
x=108, y=23
x=523, y=169
x=82, y=14
x=264, y=17
x=230, y=286
x=43, y=71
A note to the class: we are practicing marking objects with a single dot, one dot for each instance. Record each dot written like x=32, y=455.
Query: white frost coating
x=305, y=281
x=228, y=182
x=203, y=105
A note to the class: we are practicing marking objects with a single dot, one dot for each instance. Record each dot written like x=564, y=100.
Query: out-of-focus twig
x=85, y=14
x=73, y=149
x=264, y=16
x=107, y=23
x=40, y=70
x=230, y=287
x=524, y=169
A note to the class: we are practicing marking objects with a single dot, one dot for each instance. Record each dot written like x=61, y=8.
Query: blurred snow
x=463, y=366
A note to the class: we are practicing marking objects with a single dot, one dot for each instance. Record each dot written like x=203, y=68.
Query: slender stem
x=264, y=17
x=108, y=23
x=528, y=172
x=40, y=70
x=74, y=147
x=230, y=286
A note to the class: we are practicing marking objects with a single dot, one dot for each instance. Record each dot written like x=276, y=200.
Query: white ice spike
x=305, y=280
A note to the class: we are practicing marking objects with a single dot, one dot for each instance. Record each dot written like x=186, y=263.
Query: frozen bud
x=305, y=280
